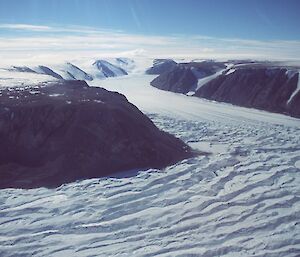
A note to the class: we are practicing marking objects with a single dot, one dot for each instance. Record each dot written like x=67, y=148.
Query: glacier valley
x=242, y=198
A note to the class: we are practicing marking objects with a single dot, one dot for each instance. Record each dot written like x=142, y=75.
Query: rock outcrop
x=160, y=66
x=273, y=89
x=204, y=68
x=179, y=80
x=183, y=77
x=269, y=86
x=60, y=132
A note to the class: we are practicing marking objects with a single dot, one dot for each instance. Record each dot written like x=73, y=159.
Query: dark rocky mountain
x=263, y=85
x=55, y=133
x=179, y=80
x=205, y=68
x=268, y=88
x=183, y=77
x=160, y=66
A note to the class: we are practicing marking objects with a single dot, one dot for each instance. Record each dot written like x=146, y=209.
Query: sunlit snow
x=241, y=199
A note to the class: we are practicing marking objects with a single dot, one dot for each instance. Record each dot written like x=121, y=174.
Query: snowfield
x=241, y=199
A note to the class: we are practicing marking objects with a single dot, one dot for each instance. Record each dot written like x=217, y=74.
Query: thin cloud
x=89, y=42
x=26, y=27
x=53, y=29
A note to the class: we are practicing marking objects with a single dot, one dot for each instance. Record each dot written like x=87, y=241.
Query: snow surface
x=243, y=199
x=296, y=90
x=70, y=71
x=230, y=71
x=113, y=70
x=203, y=81
x=17, y=79
x=12, y=75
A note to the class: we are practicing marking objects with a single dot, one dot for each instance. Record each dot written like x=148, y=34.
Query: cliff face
x=58, y=133
x=183, y=77
x=160, y=66
x=272, y=89
x=268, y=86
x=179, y=80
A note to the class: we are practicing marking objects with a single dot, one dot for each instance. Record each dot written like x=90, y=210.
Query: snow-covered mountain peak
x=88, y=71
x=108, y=69
x=71, y=71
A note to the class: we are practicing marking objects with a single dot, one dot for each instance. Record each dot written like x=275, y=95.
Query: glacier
x=240, y=199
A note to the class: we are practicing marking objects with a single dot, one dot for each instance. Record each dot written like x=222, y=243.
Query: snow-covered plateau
x=241, y=199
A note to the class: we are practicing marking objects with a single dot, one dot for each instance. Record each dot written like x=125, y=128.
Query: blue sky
x=216, y=28
x=255, y=19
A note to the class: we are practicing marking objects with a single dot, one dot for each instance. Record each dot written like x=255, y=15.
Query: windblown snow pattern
x=242, y=199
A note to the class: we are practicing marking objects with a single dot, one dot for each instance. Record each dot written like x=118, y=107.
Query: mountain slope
x=183, y=77
x=179, y=80
x=60, y=132
x=272, y=89
x=268, y=86
x=160, y=66
x=41, y=69
x=107, y=69
x=68, y=71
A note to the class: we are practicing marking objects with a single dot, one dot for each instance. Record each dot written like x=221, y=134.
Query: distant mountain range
x=99, y=69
